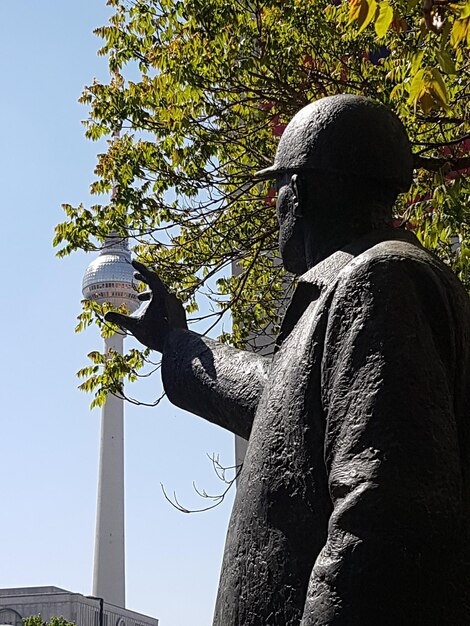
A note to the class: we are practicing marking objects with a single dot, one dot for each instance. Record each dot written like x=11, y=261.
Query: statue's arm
x=213, y=380
x=210, y=379
x=391, y=451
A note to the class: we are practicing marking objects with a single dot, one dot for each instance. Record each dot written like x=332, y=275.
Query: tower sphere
x=110, y=277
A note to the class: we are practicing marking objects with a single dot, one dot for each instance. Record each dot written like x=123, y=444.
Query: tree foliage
x=36, y=620
x=201, y=91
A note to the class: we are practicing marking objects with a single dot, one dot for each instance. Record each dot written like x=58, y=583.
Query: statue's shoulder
x=382, y=258
x=402, y=260
x=401, y=252
x=406, y=248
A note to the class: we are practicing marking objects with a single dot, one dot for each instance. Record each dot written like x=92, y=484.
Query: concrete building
x=17, y=603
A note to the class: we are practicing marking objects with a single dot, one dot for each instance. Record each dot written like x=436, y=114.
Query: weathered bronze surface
x=352, y=507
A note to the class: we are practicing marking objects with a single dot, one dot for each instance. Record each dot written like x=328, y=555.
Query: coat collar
x=325, y=273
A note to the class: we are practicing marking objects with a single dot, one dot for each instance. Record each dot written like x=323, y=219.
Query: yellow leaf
x=384, y=19
x=416, y=62
x=459, y=31
x=372, y=8
x=356, y=9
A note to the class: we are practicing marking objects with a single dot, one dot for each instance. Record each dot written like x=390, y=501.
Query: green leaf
x=439, y=87
x=416, y=61
x=416, y=85
x=446, y=62
x=465, y=10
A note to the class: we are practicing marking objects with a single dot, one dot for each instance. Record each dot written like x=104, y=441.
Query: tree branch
x=434, y=164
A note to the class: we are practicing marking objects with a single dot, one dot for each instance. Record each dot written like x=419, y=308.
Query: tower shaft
x=109, y=562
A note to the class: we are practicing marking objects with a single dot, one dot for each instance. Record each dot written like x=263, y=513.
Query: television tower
x=110, y=278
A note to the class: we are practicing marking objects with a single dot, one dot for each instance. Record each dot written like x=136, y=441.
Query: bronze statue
x=352, y=507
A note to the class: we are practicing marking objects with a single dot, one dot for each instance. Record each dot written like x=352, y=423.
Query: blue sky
x=49, y=437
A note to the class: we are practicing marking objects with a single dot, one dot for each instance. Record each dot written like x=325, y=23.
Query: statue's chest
x=288, y=431
x=282, y=504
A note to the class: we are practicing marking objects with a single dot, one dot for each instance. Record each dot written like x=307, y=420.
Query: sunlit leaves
x=365, y=12
x=36, y=620
x=427, y=88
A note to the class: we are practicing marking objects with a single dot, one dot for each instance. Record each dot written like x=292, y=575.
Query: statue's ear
x=296, y=184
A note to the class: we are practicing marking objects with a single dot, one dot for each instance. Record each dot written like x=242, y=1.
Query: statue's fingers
x=144, y=295
x=150, y=278
x=138, y=276
x=143, y=270
x=123, y=321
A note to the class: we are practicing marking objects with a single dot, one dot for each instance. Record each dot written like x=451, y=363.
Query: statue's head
x=340, y=151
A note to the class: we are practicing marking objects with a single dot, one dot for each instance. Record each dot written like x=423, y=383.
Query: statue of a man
x=352, y=508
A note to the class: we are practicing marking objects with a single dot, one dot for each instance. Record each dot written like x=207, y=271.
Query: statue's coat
x=353, y=503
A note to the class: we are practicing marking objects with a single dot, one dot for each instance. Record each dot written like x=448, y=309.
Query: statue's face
x=291, y=235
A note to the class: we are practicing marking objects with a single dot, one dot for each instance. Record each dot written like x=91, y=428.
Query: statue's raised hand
x=163, y=313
